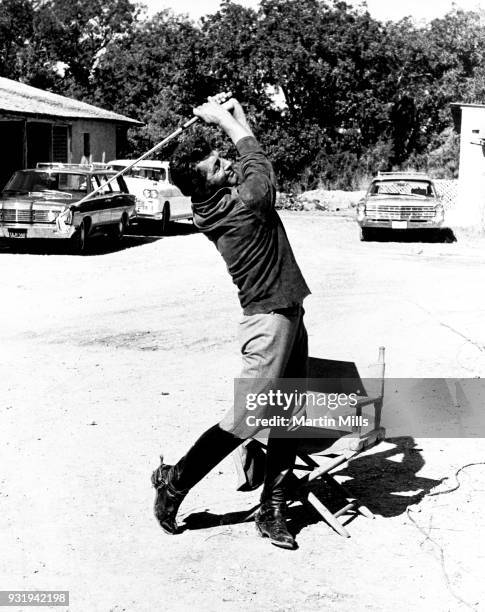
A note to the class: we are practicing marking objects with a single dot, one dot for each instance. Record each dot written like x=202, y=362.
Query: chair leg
x=300, y=485
x=338, y=461
x=364, y=510
x=307, y=459
x=350, y=497
x=251, y=513
x=377, y=413
x=327, y=515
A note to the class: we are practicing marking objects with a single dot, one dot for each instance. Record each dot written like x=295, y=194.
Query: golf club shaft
x=158, y=146
x=151, y=151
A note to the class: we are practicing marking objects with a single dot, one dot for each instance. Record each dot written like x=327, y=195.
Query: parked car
x=399, y=201
x=158, y=200
x=42, y=203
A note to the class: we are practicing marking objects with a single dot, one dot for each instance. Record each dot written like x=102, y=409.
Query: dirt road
x=110, y=359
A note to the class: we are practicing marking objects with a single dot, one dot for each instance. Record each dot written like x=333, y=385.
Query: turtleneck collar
x=208, y=213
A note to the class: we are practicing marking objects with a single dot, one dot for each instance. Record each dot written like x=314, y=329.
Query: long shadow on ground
x=385, y=486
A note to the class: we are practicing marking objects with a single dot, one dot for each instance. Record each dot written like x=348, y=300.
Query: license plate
x=17, y=233
x=399, y=224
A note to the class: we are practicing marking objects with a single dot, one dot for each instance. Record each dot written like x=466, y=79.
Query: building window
x=86, y=145
x=60, y=144
x=121, y=141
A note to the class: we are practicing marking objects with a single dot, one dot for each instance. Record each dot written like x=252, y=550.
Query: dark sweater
x=247, y=231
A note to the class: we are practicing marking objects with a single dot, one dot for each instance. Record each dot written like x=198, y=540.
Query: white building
x=470, y=205
x=39, y=126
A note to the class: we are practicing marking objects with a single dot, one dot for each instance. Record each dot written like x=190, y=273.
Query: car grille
x=13, y=215
x=399, y=213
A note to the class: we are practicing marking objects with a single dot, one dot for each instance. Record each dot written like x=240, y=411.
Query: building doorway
x=39, y=143
x=12, y=149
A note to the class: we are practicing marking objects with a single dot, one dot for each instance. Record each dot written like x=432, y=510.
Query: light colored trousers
x=273, y=345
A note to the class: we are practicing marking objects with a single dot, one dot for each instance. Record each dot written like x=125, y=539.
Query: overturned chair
x=325, y=449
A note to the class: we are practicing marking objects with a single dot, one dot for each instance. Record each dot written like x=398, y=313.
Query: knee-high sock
x=280, y=459
x=211, y=448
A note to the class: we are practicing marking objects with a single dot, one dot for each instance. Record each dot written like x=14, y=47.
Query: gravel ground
x=111, y=359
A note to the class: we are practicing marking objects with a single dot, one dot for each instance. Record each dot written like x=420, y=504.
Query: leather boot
x=270, y=519
x=167, y=499
x=173, y=482
x=271, y=523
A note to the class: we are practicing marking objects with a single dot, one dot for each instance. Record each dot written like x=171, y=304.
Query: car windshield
x=406, y=188
x=47, y=183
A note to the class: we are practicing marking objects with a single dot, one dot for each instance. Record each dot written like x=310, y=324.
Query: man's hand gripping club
x=229, y=116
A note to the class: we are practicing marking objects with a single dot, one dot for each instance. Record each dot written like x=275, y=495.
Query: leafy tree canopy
x=333, y=93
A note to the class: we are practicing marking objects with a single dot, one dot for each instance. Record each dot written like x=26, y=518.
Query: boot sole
x=166, y=530
x=286, y=546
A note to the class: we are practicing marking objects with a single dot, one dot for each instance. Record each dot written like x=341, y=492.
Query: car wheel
x=118, y=230
x=165, y=222
x=366, y=234
x=447, y=235
x=81, y=240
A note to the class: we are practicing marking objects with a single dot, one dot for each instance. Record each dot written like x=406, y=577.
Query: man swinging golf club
x=235, y=209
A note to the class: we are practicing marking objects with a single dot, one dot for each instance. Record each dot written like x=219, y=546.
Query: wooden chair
x=341, y=446
x=324, y=450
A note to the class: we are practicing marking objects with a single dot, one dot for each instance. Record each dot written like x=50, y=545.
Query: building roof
x=21, y=99
x=464, y=104
x=457, y=107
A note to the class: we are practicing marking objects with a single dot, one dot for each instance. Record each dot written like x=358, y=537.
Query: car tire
x=118, y=231
x=81, y=238
x=165, y=221
x=366, y=234
x=447, y=235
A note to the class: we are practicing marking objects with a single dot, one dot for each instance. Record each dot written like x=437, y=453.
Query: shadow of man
x=387, y=481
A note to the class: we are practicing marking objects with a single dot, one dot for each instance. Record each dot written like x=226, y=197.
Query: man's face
x=217, y=172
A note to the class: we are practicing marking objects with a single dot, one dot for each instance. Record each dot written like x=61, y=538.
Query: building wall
x=28, y=140
x=101, y=145
x=470, y=208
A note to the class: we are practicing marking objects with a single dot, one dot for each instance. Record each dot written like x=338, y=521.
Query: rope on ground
x=455, y=476
x=438, y=547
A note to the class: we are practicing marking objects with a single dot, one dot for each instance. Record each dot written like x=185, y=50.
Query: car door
x=180, y=205
x=109, y=199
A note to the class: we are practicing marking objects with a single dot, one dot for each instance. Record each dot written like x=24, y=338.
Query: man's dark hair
x=183, y=161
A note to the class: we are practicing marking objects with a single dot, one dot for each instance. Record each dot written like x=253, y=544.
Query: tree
x=67, y=39
x=153, y=74
x=16, y=31
x=332, y=92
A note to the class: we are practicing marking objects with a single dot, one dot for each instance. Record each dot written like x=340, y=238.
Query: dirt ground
x=111, y=359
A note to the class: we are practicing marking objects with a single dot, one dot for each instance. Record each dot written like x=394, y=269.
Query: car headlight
x=147, y=193
x=361, y=211
x=153, y=194
x=63, y=219
x=439, y=213
x=52, y=215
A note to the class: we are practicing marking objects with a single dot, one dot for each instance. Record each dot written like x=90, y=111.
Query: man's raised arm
x=258, y=185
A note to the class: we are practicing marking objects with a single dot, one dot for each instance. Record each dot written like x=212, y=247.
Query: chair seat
x=324, y=441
